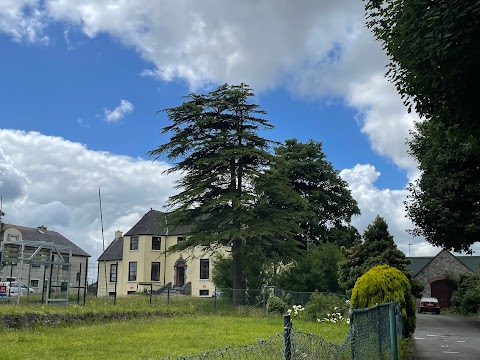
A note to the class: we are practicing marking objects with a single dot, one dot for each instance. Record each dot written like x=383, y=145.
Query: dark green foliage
x=276, y=305
x=467, y=295
x=215, y=144
x=434, y=55
x=377, y=248
x=435, y=64
x=314, y=271
x=382, y=284
x=329, y=203
x=444, y=203
x=320, y=305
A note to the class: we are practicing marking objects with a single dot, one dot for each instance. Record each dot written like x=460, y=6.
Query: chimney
x=118, y=234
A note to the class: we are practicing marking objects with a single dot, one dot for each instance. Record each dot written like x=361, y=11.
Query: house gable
x=436, y=269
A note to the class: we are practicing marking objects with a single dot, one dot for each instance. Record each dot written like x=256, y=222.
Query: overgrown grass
x=152, y=338
x=189, y=327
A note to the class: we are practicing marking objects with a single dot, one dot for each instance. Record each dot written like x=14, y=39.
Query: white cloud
x=56, y=184
x=319, y=49
x=119, y=112
x=23, y=20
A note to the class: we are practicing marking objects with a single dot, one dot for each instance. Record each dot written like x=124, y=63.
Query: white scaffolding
x=25, y=254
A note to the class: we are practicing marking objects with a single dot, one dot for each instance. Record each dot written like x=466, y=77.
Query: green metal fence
x=374, y=332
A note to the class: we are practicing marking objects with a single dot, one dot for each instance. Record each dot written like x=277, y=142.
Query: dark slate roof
x=418, y=263
x=155, y=223
x=43, y=234
x=114, y=251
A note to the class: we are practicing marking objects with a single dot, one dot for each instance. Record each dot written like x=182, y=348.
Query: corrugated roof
x=472, y=262
x=155, y=222
x=43, y=234
x=418, y=263
x=114, y=251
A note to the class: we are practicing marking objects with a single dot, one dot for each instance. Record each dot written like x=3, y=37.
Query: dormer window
x=12, y=237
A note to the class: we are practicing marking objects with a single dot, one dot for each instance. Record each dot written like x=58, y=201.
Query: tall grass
x=189, y=327
x=151, y=338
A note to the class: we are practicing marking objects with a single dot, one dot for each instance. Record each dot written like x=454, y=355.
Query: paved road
x=444, y=337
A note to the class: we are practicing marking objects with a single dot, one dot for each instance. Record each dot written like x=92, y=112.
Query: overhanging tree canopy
x=434, y=52
x=434, y=55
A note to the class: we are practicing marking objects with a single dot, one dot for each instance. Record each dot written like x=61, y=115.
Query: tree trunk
x=238, y=298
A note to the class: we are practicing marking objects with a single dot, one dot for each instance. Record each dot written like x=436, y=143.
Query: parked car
x=13, y=286
x=429, y=304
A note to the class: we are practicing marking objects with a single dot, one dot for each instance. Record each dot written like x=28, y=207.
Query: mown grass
x=190, y=327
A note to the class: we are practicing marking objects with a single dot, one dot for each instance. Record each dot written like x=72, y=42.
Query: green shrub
x=382, y=284
x=275, y=305
x=320, y=305
x=466, y=298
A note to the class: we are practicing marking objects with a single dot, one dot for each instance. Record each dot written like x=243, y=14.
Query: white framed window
x=204, y=268
x=34, y=283
x=66, y=260
x=132, y=271
x=180, y=239
x=155, y=272
x=204, y=292
x=113, y=272
x=156, y=243
x=134, y=243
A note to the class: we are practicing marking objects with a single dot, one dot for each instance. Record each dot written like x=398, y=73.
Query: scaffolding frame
x=30, y=253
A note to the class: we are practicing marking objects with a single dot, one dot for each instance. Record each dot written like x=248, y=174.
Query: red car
x=429, y=304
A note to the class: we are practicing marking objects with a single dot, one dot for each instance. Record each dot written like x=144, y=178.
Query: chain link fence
x=374, y=332
x=292, y=344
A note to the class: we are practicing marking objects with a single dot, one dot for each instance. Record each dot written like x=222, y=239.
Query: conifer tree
x=377, y=248
x=216, y=146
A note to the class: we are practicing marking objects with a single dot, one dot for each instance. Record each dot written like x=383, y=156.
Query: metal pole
x=287, y=328
x=264, y=296
x=215, y=300
x=393, y=331
x=116, y=281
x=85, y=282
x=79, y=283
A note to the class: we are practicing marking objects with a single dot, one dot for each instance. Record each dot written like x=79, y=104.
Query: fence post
x=287, y=327
x=379, y=330
x=215, y=300
x=393, y=330
x=264, y=297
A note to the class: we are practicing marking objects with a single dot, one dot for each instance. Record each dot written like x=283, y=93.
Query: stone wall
x=438, y=267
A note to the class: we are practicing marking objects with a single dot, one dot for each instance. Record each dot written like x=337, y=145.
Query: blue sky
x=81, y=81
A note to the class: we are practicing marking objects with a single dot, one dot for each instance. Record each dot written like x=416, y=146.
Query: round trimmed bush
x=275, y=305
x=382, y=284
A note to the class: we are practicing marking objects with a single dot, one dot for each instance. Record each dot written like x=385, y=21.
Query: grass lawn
x=150, y=339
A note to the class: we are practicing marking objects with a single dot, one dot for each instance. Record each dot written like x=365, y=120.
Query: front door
x=180, y=276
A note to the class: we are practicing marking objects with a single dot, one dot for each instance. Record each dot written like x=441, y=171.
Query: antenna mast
x=103, y=243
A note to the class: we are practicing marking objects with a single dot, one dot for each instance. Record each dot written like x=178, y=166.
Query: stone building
x=433, y=271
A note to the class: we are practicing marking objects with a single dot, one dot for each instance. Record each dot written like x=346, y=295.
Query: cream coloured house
x=137, y=261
